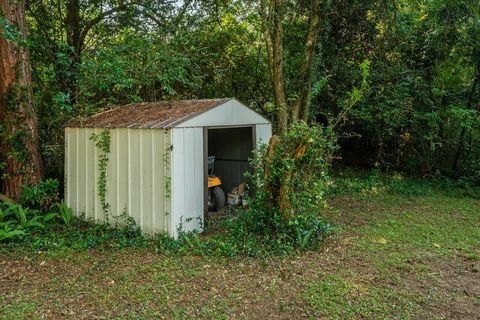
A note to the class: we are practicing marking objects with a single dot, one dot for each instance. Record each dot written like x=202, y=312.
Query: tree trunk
x=273, y=32
x=75, y=44
x=20, y=150
x=301, y=106
x=272, y=23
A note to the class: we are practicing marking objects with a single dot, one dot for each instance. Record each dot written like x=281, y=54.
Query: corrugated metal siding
x=263, y=132
x=188, y=178
x=136, y=179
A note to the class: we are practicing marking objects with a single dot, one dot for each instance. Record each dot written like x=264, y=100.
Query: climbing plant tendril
x=102, y=141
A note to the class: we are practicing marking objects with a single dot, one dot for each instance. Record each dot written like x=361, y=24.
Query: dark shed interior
x=232, y=147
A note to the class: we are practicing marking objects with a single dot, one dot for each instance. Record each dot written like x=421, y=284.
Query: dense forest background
x=419, y=112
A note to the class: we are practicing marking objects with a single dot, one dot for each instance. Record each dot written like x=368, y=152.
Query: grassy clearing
x=395, y=255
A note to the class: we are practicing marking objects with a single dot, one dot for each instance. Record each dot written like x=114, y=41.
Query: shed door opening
x=232, y=147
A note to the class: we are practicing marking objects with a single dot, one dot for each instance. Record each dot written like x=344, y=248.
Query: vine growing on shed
x=102, y=141
x=167, y=174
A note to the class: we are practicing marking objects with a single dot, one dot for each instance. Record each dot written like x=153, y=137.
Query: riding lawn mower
x=216, y=196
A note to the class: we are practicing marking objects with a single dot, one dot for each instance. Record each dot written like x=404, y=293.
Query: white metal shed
x=157, y=165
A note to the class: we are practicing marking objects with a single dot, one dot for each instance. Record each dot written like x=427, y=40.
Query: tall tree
x=273, y=13
x=68, y=28
x=20, y=150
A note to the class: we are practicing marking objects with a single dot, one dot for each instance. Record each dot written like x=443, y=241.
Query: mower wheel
x=217, y=198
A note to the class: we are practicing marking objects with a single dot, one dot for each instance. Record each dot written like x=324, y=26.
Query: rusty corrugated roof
x=161, y=114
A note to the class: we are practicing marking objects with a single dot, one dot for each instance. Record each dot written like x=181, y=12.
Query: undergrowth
x=229, y=236
x=367, y=182
x=41, y=223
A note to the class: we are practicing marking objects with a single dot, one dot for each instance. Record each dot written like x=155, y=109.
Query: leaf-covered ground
x=392, y=257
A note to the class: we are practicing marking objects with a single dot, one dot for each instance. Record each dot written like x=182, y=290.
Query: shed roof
x=162, y=114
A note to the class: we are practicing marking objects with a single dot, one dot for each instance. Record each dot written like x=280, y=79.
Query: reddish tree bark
x=19, y=142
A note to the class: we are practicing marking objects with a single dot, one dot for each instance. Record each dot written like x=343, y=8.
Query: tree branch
x=90, y=24
x=300, y=107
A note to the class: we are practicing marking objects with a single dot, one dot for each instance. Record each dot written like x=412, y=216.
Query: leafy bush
x=41, y=196
x=289, y=182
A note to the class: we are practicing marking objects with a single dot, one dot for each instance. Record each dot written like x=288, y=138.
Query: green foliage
x=374, y=182
x=20, y=222
x=9, y=32
x=424, y=81
x=356, y=95
x=102, y=142
x=40, y=196
x=300, y=163
x=65, y=213
x=267, y=227
x=16, y=221
x=79, y=234
x=7, y=233
x=419, y=114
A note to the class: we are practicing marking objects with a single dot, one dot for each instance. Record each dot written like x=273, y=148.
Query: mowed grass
x=392, y=257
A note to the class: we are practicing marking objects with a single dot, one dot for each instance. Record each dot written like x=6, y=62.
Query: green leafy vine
x=102, y=142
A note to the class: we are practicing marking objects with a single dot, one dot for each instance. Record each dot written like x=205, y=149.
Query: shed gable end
x=230, y=113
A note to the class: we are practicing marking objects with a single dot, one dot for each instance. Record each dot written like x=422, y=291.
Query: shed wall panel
x=134, y=167
x=120, y=157
x=178, y=177
x=135, y=176
x=199, y=177
x=263, y=132
x=187, y=178
x=147, y=194
x=92, y=184
x=166, y=185
x=71, y=168
x=82, y=171
x=112, y=170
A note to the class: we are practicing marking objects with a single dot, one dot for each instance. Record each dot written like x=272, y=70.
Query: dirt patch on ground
x=454, y=288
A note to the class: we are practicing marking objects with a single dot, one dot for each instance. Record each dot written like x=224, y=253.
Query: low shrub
x=41, y=196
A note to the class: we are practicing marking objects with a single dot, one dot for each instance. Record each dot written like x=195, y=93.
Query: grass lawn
x=392, y=257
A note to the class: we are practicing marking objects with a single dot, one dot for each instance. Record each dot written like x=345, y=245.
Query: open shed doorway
x=231, y=147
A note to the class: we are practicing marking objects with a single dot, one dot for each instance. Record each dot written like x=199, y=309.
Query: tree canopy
x=291, y=60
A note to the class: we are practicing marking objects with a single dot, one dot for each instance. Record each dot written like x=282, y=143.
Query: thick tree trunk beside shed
x=21, y=155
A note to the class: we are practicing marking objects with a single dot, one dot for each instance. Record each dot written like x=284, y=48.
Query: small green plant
x=7, y=234
x=16, y=221
x=20, y=221
x=59, y=212
x=65, y=213
x=26, y=218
